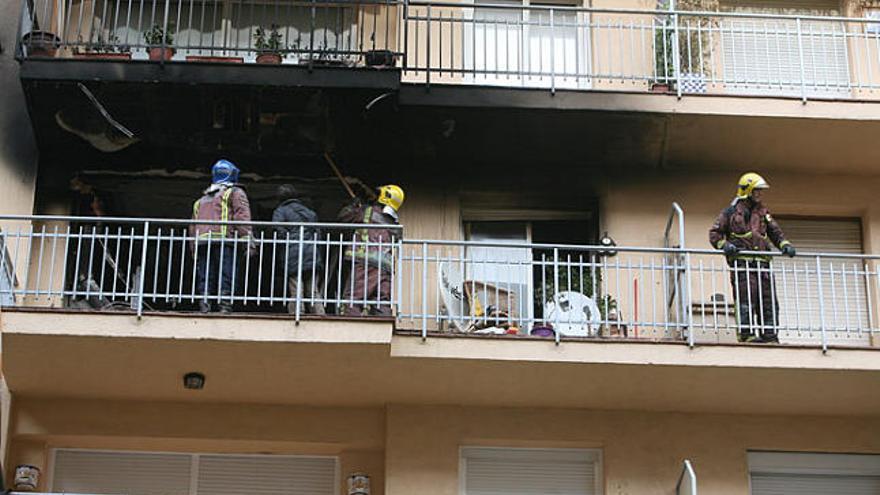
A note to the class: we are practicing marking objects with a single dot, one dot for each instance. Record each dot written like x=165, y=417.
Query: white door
x=558, y=50
x=522, y=47
x=500, y=276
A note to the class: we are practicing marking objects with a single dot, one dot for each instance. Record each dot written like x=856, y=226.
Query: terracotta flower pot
x=103, y=56
x=269, y=58
x=660, y=87
x=156, y=53
x=227, y=60
x=380, y=58
x=40, y=44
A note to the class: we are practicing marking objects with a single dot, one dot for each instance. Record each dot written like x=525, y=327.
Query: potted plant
x=40, y=44
x=692, y=60
x=159, y=43
x=268, y=45
x=105, y=48
x=664, y=57
x=380, y=58
x=325, y=56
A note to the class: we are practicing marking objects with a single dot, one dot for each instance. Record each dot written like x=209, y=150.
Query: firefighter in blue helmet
x=215, y=246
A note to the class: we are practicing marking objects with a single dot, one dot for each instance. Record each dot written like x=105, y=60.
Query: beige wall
x=414, y=449
x=356, y=436
x=642, y=452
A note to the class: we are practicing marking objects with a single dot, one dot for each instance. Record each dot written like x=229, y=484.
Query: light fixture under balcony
x=194, y=380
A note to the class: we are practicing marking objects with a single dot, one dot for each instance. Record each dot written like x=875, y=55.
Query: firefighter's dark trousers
x=757, y=309
x=368, y=287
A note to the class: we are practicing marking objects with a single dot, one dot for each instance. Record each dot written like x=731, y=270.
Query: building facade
x=559, y=322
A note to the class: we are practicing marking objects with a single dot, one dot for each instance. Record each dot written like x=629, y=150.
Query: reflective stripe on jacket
x=374, y=254
x=221, y=203
x=749, y=227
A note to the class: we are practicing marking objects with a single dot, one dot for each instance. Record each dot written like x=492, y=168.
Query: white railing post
x=821, y=304
x=142, y=277
x=552, y=55
x=676, y=55
x=800, y=39
x=424, y=291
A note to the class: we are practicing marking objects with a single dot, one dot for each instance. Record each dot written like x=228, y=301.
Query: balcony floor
x=363, y=363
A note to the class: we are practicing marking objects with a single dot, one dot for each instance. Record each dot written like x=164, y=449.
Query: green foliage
x=108, y=44
x=267, y=40
x=156, y=36
x=576, y=271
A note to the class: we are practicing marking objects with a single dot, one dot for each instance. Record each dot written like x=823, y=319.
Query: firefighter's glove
x=251, y=248
x=730, y=249
x=788, y=250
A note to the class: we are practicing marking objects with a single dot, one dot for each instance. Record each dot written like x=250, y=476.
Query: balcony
x=556, y=48
x=82, y=301
x=436, y=287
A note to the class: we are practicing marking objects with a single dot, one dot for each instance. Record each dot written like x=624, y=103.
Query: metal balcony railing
x=619, y=49
x=118, y=264
x=325, y=32
x=542, y=290
x=483, y=43
x=687, y=481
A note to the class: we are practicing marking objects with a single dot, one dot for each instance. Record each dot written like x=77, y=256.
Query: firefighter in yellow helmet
x=368, y=288
x=746, y=225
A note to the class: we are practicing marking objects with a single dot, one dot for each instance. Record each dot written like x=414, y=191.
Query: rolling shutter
x=507, y=471
x=129, y=473
x=774, y=473
x=266, y=475
x=764, y=55
x=843, y=297
x=143, y=473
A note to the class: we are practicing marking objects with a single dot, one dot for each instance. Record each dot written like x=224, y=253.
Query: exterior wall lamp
x=194, y=380
x=607, y=242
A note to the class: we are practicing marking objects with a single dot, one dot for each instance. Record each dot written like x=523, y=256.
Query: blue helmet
x=224, y=171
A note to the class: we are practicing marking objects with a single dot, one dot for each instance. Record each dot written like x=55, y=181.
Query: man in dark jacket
x=304, y=250
x=371, y=254
x=746, y=225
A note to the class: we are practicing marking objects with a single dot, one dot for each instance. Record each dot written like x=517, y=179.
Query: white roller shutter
x=764, y=55
x=843, y=298
x=145, y=473
x=777, y=473
x=509, y=471
x=266, y=475
x=129, y=473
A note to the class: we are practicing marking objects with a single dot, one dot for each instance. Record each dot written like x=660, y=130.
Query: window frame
x=194, y=460
x=598, y=464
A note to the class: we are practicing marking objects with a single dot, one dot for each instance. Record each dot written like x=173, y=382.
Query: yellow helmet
x=391, y=195
x=748, y=183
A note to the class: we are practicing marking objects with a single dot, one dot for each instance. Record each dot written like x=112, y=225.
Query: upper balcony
x=556, y=47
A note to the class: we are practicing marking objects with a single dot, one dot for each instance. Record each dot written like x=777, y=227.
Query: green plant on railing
x=694, y=39
x=268, y=40
x=156, y=36
x=108, y=44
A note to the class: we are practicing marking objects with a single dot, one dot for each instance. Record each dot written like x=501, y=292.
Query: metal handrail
x=690, y=485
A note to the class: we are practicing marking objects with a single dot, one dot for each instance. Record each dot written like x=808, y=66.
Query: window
x=514, y=471
x=153, y=473
x=513, y=47
x=843, y=295
x=765, y=54
x=780, y=473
